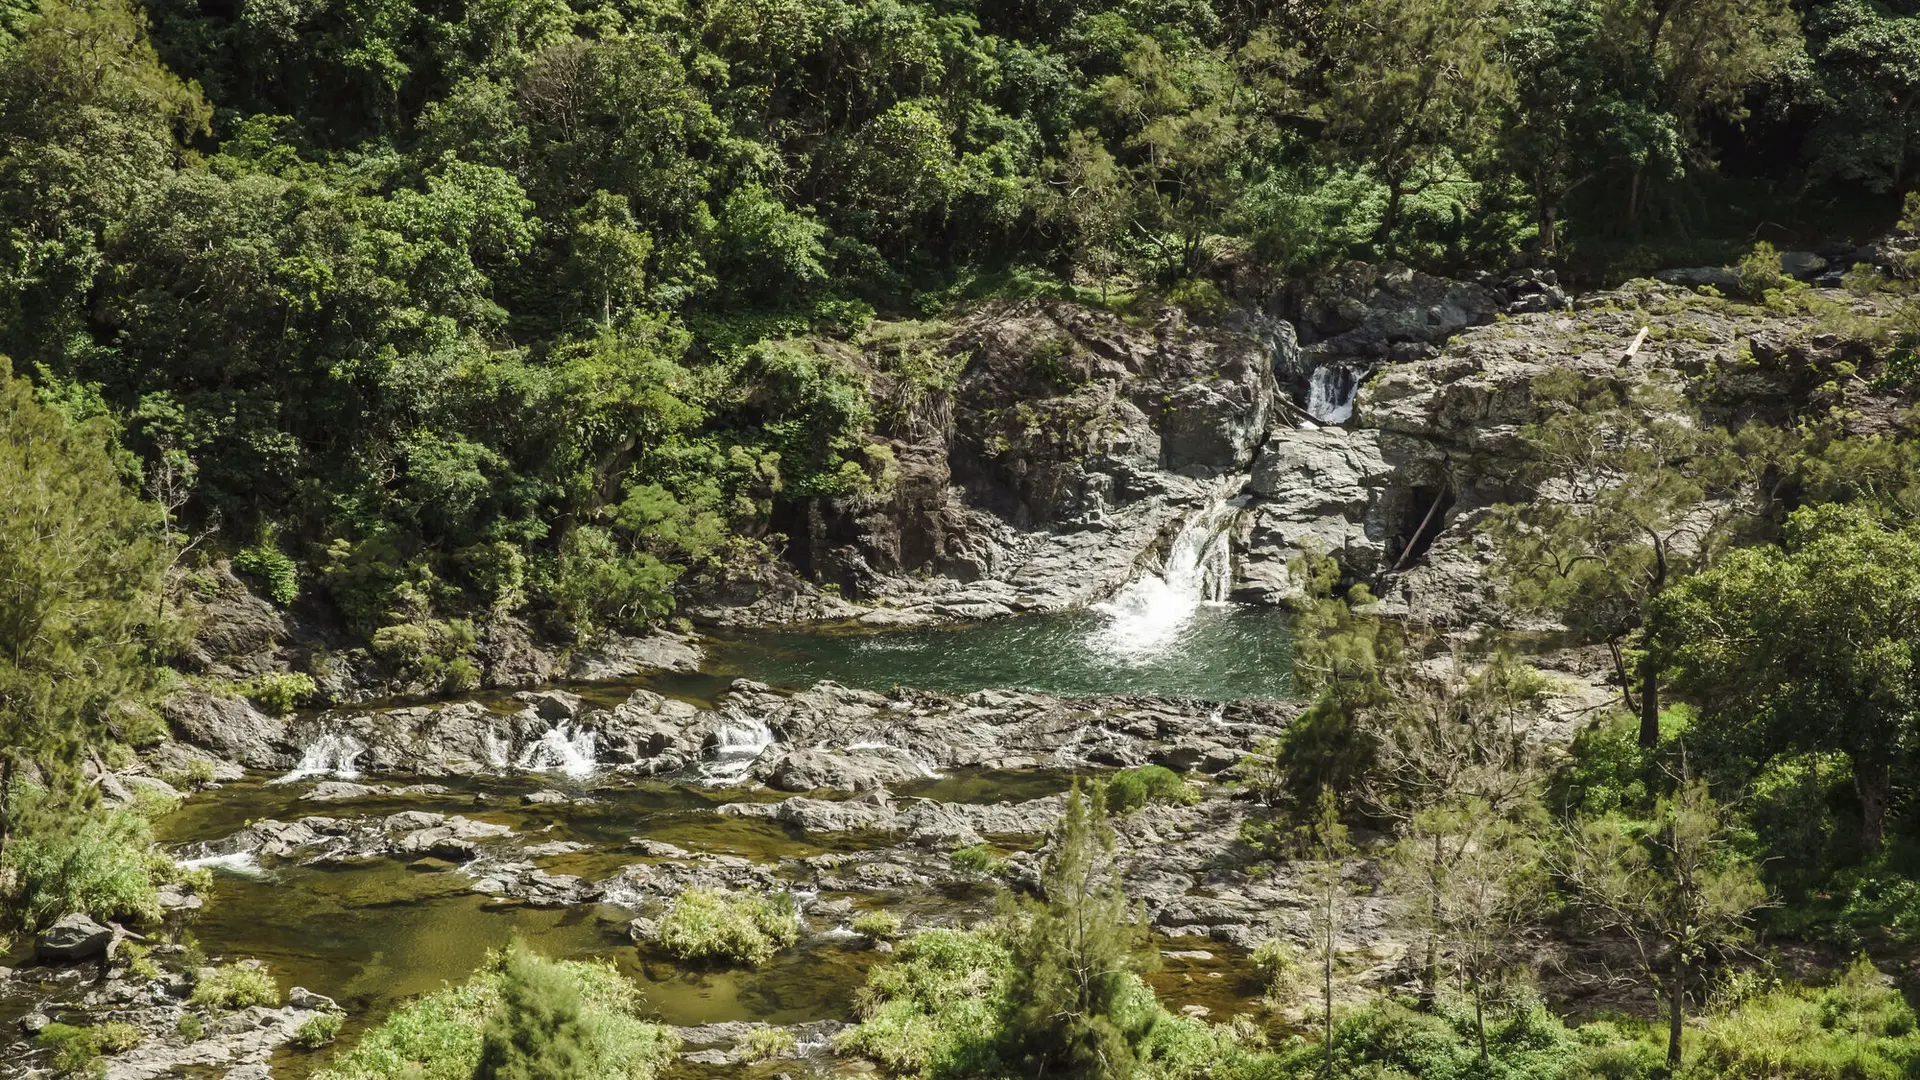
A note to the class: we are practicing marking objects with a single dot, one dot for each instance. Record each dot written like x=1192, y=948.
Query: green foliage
x=271, y=567
x=236, y=986
x=1810, y=646
x=768, y=1043
x=102, y=864
x=1075, y=955
x=1281, y=974
x=1760, y=273
x=278, y=692
x=935, y=1009
x=979, y=858
x=1131, y=789
x=878, y=925
x=190, y=1028
x=76, y=1050
x=728, y=927
x=537, y=1030
x=80, y=563
x=440, y=1036
x=318, y=1030
x=1856, y=1027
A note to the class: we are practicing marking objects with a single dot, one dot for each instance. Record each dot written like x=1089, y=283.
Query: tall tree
x=80, y=569
x=1812, y=646
x=1639, y=491
x=1674, y=888
x=1075, y=954
x=1412, y=86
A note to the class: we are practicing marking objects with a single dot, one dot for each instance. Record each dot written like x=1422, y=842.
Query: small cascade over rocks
x=332, y=754
x=737, y=742
x=563, y=750
x=1330, y=393
x=1147, y=615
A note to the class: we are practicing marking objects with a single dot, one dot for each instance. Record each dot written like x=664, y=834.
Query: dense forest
x=420, y=316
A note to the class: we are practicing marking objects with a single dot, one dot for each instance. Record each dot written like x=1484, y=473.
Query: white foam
x=333, y=754
x=1147, y=615
x=237, y=863
x=1330, y=393
x=737, y=743
x=561, y=749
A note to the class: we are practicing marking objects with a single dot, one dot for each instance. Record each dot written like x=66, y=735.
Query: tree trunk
x=1390, y=217
x=1873, y=781
x=1620, y=672
x=1549, y=239
x=1326, y=1068
x=1649, y=702
x=1480, y=1021
x=1430, y=971
x=6, y=801
x=1677, y=1015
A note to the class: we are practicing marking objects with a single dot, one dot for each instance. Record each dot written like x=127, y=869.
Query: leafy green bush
x=1858, y=1027
x=279, y=692
x=318, y=1030
x=105, y=866
x=979, y=858
x=937, y=1006
x=1199, y=298
x=1131, y=789
x=440, y=1036
x=1279, y=968
x=272, y=568
x=75, y=1049
x=767, y=1043
x=741, y=927
x=1760, y=272
x=878, y=925
x=117, y=1037
x=236, y=986
x=190, y=1028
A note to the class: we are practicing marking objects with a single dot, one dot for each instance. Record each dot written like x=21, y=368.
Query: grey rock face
x=72, y=939
x=230, y=727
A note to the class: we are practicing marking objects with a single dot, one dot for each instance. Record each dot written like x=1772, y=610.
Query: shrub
x=190, y=1028
x=270, y=567
x=319, y=1030
x=767, y=1043
x=878, y=925
x=236, y=986
x=1279, y=969
x=745, y=928
x=1199, y=298
x=118, y=1037
x=280, y=691
x=75, y=1049
x=979, y=858
x=938, y=1004
x=105, y=867
x=439, y=1036
x=1856, y=1027
x=1131, y=789
x=1759, y=271
x=139, y=960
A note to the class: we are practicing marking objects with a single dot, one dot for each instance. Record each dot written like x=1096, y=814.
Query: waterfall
x=332, y=754
x=1330, y=393
x=561, y=750
x=737, y=743
x=1147, y=615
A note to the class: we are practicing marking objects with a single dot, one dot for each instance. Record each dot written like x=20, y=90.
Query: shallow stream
x=375, y=932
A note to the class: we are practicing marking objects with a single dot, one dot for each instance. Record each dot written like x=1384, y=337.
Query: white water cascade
x=333, y=754
x=1147, y=615
x=737, y=743
x=561, y=750
x=1330, y=393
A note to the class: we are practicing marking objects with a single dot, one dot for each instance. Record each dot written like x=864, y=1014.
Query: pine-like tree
x=538, y=1031
x=1075, y=955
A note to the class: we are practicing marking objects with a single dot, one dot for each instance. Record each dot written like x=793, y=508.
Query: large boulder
x=74, y=938
x=231, y=727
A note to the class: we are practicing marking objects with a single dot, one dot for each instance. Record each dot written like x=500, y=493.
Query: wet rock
x=342, y=791
x=302, y=998
x=1804, y=265
x=72, y=939
x=34, y=1023
x=525, y=883
x=1694, y=277
x=798, y=769
x=546, y=797
x=177, y=897
x=552, y=704
x=616, y=656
